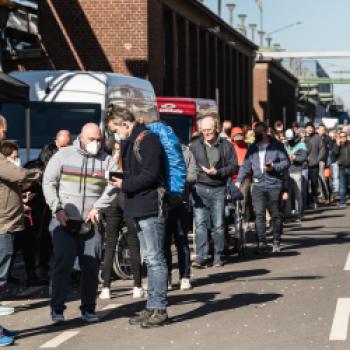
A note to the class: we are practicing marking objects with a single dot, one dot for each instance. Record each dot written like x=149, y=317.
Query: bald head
x=3, y=128
x=89, y=133
x=63, y=138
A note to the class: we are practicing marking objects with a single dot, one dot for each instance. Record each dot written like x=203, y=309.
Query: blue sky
x=325, y=26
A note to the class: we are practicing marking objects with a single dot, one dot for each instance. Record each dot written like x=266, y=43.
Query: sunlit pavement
x=284, y=301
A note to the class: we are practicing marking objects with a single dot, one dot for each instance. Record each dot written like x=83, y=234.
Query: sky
x=325, y=27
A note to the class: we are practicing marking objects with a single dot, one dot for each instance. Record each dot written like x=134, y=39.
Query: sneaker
x=90, y=317
x=138, y=293
x=5, y=340
x=218, y=264
x=140, y=317
x=276, y=248
x=170, y=286
x=185, y=284
x=57, y=316
x=198, y=265
x=105, y=293
x=7, y=332
x=157, y=318
x=6, y=310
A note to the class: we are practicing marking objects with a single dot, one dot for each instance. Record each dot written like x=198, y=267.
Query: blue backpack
x=174, y=161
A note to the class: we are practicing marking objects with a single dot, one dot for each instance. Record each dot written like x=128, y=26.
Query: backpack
x=175, y=166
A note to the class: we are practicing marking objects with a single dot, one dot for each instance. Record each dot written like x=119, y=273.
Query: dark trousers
x=263, y=199
x=314, y=177
x=6, y=252
x=177, y=226
x=344, y=183
x=65, y=249
x=114, y=220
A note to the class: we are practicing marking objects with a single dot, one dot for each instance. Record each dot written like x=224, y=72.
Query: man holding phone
x=268, y=160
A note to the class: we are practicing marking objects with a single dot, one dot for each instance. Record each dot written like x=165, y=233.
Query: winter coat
x=275, y=154
x=226, y=166
x=342, y=154
x=316, y=150
x=11, y=203
x=142, y=177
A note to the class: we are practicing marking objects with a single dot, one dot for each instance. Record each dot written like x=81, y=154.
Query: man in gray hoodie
x=76, y=186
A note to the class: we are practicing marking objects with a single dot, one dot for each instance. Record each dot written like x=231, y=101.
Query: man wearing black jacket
x=216, y=162
x=316, y=153
x=144, y=173
x=341, y=153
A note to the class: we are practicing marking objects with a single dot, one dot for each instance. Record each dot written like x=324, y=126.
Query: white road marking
x=347, y=264
x=60, y=339
x=107, y=310
x=340, y=325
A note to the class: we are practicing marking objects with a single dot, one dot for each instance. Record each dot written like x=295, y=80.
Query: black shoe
x=262, y=249
x=140, y=317
x=157, y=318
x=13, y=280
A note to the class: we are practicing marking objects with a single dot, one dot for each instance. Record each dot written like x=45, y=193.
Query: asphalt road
x=286, y=301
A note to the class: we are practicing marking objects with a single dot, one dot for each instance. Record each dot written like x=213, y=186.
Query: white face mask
x=118, y=137
x=93, y=148
x=16, y=161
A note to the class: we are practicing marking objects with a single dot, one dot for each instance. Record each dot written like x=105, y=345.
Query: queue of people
x=92, y=186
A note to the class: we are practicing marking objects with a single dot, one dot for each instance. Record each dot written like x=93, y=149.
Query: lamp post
x=261, y=34
x=219, y=7
x=242, y=28
x=231, y=8
x=253, y=27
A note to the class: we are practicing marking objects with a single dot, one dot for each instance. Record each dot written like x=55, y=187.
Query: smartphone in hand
x=116, y=174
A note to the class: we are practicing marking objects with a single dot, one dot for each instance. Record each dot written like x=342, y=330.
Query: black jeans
x=313, y=177
x=177, y=225
x=114, y=220
x=267, y=198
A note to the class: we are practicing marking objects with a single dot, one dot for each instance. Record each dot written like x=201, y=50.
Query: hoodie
x=240, y=147
x=76, y=181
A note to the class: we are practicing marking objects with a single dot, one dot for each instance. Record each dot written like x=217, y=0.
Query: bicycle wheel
x=122, y=259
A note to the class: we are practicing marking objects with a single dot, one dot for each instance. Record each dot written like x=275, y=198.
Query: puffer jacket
x=11, y=204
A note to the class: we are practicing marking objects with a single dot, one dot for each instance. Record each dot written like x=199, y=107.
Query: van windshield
x=181, y=124
x=46, y=119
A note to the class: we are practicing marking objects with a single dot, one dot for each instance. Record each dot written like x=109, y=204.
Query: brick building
x=181, y=46
x=275, y=92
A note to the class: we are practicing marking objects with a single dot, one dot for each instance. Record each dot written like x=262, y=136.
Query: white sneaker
x=105, y=293
x=185, y=284
x=138, y=293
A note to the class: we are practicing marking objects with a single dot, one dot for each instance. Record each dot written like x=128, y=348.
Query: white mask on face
x=16, y=161
x=119, y=137
x=93, y=148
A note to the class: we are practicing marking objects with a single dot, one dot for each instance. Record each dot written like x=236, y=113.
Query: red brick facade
x=102, y=35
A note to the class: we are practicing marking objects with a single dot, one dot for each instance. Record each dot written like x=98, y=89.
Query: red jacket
x=240, y=147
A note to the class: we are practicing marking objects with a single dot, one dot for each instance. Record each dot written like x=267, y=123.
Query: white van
x=68, y=100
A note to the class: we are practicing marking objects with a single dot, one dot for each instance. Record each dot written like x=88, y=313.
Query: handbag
x=78, y=227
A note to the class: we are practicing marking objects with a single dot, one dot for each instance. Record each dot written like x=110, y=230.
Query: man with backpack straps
x=144, y=177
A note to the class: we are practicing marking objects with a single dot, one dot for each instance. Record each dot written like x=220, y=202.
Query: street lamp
x=253, y=27
x=261, y=34
x=231, y=8
x=242, y=28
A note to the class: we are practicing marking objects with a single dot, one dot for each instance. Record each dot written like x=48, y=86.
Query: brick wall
x=260, y=90
x=103, y=35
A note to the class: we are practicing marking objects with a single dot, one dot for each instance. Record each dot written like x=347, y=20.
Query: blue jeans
x=335, y=177
x=65, y=249
x=209, y=203
x=6, y=253
x=344, y=183
x=305, y=185
x=151, y=233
